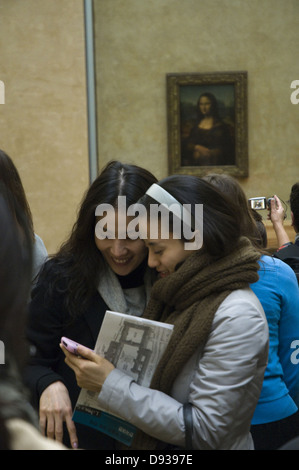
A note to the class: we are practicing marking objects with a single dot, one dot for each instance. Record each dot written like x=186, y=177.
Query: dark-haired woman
x=84, y=279
x=217, y=355
x=210, y=141
x=13, y=191
x=18, y=421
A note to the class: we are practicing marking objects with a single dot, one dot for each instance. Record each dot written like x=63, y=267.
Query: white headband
x=167, y=200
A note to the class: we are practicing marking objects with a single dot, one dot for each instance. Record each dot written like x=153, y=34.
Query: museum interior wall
x=43, y=123
x=139, y=43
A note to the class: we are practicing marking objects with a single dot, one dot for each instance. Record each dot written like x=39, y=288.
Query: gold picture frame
x=207, y=123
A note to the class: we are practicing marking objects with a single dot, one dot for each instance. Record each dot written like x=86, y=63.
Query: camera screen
x=257, y=203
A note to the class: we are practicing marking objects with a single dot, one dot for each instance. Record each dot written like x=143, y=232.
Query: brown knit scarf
x=188, y=299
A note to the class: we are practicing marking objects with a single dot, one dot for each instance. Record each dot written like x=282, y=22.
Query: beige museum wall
x=138, y=43
x=43, y=121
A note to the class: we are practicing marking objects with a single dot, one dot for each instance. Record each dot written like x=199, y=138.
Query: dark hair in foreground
x=79, y=260
x=15, y=284
x=221, y=226
x=294, y=204
x=13, y=191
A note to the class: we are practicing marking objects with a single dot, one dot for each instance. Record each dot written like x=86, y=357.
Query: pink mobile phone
x=70, y=345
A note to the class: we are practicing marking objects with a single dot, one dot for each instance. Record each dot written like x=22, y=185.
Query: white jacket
x=222, y=382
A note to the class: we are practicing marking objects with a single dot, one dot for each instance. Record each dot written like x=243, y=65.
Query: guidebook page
x=133, y=345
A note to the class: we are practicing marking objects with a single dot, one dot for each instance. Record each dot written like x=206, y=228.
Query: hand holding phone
x=93, y=373
x=70, y=345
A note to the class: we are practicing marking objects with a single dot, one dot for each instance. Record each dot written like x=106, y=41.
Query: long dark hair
x=15, y=194
x=249, y=220
x=79, y=261
x=15, y=284
x=221, y=227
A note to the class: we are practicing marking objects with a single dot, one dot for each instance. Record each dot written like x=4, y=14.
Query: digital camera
x=260, y=203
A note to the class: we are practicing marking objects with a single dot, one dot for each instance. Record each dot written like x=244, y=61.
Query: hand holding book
x=131, y=344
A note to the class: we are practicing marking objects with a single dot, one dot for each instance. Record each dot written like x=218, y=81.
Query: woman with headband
x=276, y=417
x=217, y=354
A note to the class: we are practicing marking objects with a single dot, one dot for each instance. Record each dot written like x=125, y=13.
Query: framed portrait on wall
x=207, y=123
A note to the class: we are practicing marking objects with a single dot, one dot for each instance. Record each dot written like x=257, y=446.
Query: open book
x=133, y=345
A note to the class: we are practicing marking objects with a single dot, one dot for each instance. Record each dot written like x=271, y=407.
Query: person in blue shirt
x=276, y=417
x=287, y=251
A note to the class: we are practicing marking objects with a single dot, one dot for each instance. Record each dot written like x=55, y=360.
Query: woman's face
x=205, y=105
x=164, y=255
x=122, y=253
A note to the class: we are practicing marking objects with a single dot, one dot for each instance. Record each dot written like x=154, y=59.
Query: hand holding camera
x=274, y=205
x=276, y=211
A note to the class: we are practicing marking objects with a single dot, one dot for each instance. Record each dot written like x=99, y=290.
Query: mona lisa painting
x=207, y=123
